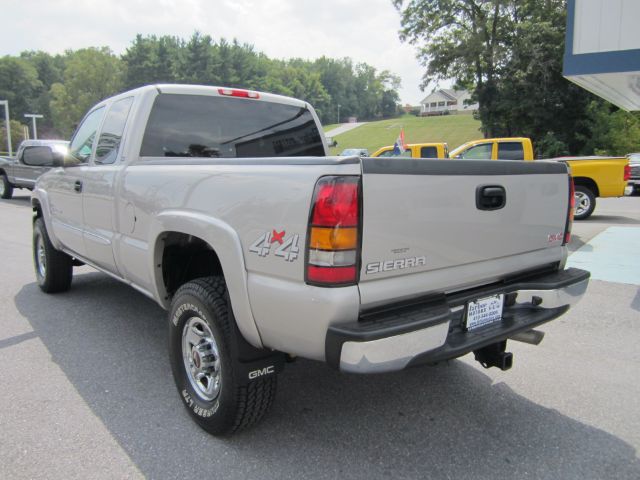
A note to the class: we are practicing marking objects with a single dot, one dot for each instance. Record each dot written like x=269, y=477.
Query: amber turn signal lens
x=333, y=238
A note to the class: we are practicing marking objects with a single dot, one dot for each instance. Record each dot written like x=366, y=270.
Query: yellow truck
x=592, y=176
x=514, y=148
x=416, y=150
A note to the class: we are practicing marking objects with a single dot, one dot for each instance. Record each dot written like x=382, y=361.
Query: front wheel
x=585, y=202
x=205, y=364
x=6, y=189
x=54, y=269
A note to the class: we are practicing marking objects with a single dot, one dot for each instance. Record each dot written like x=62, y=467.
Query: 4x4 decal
x=287, y=248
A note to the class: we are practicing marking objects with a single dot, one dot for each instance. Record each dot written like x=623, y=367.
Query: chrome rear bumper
x=433, y=330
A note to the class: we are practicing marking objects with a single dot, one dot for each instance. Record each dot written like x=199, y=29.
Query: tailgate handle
x=490, y=197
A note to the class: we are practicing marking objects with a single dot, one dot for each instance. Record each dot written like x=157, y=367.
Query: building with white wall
x=602, y=52
x=445, y=101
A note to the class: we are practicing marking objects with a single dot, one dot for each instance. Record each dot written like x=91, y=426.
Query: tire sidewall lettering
x=185, y=307
x=204, y=412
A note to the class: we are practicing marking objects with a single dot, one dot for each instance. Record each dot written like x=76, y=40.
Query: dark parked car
x=34, y=157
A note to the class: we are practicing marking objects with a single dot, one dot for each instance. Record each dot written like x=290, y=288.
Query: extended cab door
x=65, y=188
x=98, y=188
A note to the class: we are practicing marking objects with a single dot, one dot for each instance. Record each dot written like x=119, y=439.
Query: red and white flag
x=399, y=147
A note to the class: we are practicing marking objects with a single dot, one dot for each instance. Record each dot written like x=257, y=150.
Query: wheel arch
x=180, y=235
x=40, y=206
x=587, y=182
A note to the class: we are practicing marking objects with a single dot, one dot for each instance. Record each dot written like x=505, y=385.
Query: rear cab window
x=220, y=127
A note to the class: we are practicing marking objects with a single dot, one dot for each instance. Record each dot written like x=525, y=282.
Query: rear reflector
x=233, y=92
x=331, y=275
x=333, y=239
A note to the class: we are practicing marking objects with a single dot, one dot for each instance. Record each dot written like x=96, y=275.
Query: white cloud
x=365, y=30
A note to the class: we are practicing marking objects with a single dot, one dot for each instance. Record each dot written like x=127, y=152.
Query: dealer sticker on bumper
x=484, y=311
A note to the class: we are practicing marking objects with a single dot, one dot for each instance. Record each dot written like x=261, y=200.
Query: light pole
x=33, y=117
x=6, y=117
x=338, y=113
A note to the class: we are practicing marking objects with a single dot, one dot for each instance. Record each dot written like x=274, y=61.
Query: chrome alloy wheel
x=583, y=203
x=201, y=358
x=41, y=257
x=1, y=186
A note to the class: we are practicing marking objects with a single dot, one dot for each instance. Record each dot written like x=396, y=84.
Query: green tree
x=91, y=75
x=50, y=70
x=17, y=135
x=509, y=52
x=19, y=84
x=461, y=39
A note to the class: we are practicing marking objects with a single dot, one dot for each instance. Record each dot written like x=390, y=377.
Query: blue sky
x=365, y=30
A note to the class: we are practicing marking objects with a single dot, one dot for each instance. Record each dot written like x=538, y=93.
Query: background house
x=445, y=101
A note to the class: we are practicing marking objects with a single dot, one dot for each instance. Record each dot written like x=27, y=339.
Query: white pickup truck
x=222, y=206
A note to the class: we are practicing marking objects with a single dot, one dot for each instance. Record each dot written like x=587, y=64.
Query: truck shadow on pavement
x=448, y=421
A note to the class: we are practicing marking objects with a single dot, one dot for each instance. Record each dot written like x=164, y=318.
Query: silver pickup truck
x=222, y=206
x=34, y=157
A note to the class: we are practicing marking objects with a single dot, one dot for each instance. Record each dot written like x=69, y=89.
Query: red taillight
x=333, y=238
x=570, y=212
x=234, y=92
x=336, y=205
x=627, y=172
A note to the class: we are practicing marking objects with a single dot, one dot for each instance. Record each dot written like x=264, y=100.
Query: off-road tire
x=240, y=402
x=588, y=205
x=6, y=189
x=58, y=266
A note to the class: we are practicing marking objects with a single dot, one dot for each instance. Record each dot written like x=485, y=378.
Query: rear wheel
x=54, y=269
x=585, y=202
x=205, y=364
x=6, y=189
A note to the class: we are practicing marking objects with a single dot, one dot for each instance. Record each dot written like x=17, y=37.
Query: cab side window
x=112, y=129
x=478, y=152
x=429, y=152
x=510, y=151
x=82, y=144
x=386, y=153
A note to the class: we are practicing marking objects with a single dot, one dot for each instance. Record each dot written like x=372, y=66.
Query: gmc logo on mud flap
x=262, y=372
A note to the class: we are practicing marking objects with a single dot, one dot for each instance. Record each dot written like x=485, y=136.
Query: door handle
x=78, y=186
x=490, y=197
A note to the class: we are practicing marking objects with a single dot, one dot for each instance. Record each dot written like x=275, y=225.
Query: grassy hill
x=453, y=129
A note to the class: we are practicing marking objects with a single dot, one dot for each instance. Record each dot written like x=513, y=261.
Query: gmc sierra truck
x=34, y=157
x=222, y=206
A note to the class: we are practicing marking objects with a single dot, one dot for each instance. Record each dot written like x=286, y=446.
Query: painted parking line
x=612, y=256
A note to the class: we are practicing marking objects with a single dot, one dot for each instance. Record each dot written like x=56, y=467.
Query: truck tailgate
x=438, y=225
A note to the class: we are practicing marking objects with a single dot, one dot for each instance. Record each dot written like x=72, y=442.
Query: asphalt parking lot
x=86, y=390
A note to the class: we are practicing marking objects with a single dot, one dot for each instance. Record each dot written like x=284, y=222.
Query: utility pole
x=33, y=117
x=6, y=117
x=338, y=113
